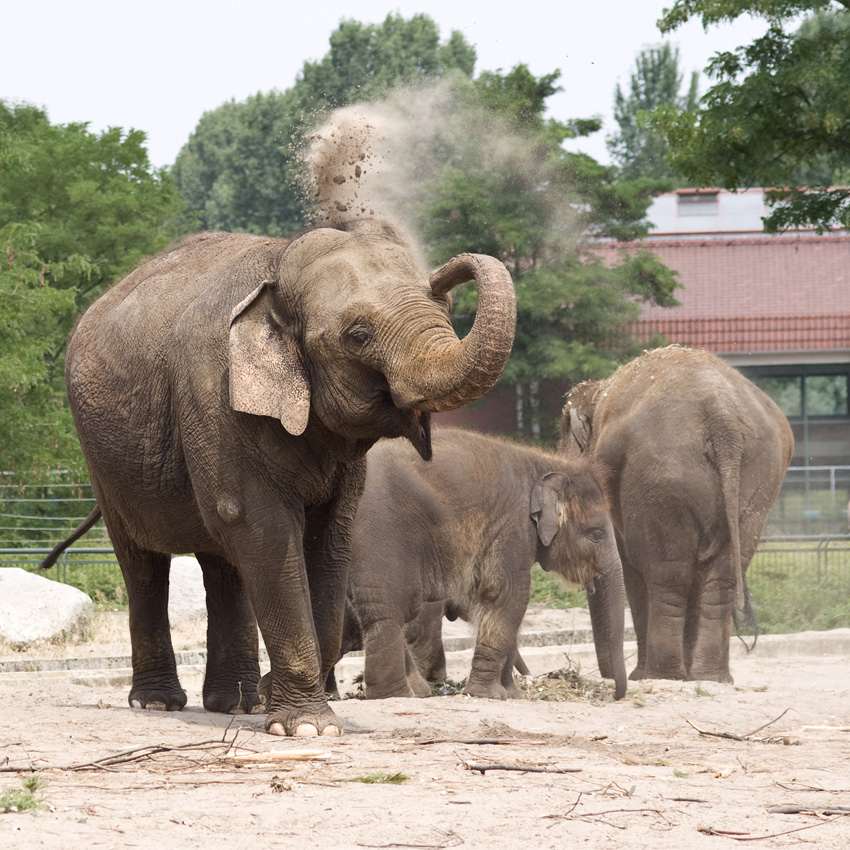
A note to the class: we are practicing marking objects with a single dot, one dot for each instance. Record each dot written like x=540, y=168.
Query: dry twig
x=490, y=741
x=481, y=767
x=733, y=737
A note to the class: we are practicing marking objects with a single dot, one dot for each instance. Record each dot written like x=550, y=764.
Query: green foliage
x=77, y=210
x=381, y=778
x=90, y=196
x=550, y=592
x=795, y=591
x=35, y=313
x=637, y=148
x=241, y=171
x=778, y=113
x=24, y=799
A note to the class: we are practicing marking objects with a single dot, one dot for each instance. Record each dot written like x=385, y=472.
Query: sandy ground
x=639, y=771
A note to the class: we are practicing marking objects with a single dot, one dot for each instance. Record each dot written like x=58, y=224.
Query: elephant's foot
x=677, y=675
x=711, y=676
x=241, y=699
x=485, y=689
x=402, y=691
x=513, y=691
x=152, y=698
x=297, y=722
x=304, y=724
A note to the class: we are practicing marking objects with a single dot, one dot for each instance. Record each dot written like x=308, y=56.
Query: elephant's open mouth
x=423, y=434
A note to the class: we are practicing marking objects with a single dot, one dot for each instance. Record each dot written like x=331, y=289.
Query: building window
x=705, y=203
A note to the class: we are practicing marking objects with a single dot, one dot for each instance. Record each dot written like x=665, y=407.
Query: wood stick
x=731, y=735
x=819, y=810
x=480, y=767
x=282, y=755
x=473, y=741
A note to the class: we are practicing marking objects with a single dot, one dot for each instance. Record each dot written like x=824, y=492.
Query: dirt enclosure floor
x=565, y=767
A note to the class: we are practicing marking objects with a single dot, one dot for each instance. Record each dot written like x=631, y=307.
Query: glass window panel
x=826, y=395
x=786, y=391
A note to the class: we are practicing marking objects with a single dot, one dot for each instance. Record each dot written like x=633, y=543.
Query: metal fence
x=799, y=577
x=797, y=583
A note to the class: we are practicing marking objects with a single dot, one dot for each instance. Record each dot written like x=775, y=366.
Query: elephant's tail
x=728, y=459
x=75, y=535
x=747, y=620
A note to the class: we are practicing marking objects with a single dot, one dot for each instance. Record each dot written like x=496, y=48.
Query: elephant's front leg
x=233, y=668
x=327, y=551
x=276, y=579
x=499, y=620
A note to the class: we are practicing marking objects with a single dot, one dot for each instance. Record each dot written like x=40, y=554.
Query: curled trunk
x=456, y=371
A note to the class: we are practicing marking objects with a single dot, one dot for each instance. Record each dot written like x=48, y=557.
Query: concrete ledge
x=542, y=651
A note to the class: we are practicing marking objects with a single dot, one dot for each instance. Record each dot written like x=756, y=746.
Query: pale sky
x=158, y=66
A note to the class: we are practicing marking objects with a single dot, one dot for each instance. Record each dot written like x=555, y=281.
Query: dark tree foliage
x=637, y=148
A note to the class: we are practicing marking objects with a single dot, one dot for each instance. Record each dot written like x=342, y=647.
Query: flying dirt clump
x=343, y=154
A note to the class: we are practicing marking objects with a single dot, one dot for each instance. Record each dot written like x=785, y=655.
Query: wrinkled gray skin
x=695, y=456
x=225, y=394
x=466, y=529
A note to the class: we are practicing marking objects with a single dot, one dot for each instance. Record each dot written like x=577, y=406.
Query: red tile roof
x=782, y=293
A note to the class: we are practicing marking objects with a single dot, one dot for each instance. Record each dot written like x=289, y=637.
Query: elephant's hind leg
x=233, y=668
x=155, y=683
x=709, y=625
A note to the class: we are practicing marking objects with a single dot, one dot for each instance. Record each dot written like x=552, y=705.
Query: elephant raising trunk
x=463, y=370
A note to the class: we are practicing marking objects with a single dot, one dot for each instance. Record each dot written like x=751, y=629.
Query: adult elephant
x=225, y=394
x=695, y=454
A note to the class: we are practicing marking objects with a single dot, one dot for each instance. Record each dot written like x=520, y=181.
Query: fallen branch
x=472, y=741
x=121, y=757
x=733, y=737
x=826, y=728
x=281, y=755
x=815, y=810
x=480, y=767
x=745, y=836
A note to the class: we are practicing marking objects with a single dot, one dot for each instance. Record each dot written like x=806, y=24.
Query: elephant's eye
x=361, y=336
x=595, y=535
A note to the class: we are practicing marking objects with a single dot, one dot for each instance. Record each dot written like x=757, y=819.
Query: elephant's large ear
x=545, y=496
x=267, y=376
x=579, y=428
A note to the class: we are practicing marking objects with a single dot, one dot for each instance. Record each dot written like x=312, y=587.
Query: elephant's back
x=143, y=308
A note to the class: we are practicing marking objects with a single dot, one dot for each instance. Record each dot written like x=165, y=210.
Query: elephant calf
x=695, y=455
x=466, y=528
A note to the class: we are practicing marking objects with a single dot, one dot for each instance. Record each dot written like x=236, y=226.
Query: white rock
x=35, y=609
x=186, y=594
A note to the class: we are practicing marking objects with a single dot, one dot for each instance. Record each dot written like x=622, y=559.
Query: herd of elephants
x=226, y=394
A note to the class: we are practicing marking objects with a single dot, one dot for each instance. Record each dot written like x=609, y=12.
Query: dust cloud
x=386, y=158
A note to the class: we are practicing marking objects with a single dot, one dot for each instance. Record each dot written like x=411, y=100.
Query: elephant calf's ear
x=545, y=496
x=267, y=377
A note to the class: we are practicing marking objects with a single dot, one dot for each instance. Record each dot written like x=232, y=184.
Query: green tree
x=778, y=113
x=639, y=149
x=92, y=195
x=240, y=169
x=542, y=210
x=77, y=210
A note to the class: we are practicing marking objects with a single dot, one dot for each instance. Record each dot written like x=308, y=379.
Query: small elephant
x=465, y=530
x=225, y=394
x=695, y=455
